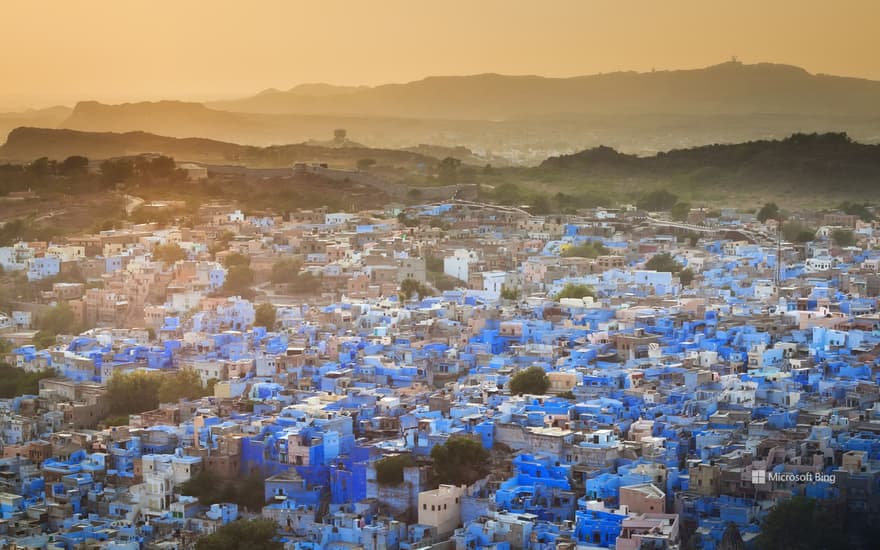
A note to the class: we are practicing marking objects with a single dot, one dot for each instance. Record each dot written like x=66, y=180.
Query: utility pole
x=778, y=256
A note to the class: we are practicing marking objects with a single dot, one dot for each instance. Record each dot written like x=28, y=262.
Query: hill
x=731, y=88
x=25, y=144
x=800, y=167
x=45, y=118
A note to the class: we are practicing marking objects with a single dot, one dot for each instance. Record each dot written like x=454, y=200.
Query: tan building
x=561, y=381
x=644, y=498
x=441, y=508
x=705, y=479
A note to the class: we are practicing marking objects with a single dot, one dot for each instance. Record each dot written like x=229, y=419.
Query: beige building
x=441, y=508
x=644, y=498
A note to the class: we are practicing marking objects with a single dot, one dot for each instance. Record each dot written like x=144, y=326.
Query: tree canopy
x=139, y=391
x=843, y=237
x=800, y=524
x=248, y=492
x=182, y=384
x=531, y=380
x=389, y=470
x=410, y=287
x=575, y=290
x=168, y=253
x=15, y=382
x=589, y=249
x=660, y=199
x=680, y=211
x=459, y=461
x=663, y=262
x=239, y=279
x=57, y=320
x=285, y=271
x=243, y=534
x=770, y=211
x=133, y=393
x=265, y=316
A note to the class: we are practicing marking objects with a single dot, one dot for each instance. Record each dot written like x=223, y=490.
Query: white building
x=458, y=264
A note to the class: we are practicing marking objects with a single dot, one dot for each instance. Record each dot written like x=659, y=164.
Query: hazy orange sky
x=121, y=50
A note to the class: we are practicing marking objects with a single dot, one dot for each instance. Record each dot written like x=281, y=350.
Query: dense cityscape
x=452, y=374
x=439, y=275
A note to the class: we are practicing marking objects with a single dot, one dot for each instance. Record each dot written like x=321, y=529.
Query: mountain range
x=25, y=144
x=729, y=88
x=514, y=119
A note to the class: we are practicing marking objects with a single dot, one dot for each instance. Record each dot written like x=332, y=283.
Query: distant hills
x=731, y=88
x=45, y=118
x=26, y=144
x=821, y=164
x=514, y=119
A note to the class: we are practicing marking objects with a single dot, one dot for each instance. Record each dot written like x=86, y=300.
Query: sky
x=62, y=51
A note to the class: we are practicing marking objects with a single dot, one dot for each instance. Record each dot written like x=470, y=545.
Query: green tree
x=540, y=205
x=410, y=287
x=532, y=380
x=57, y=320
x=42, y=167
x=660, y=199
x=243, y=534
x=365, y=164
x=663, y=262
x=862, y=210
x=161, y=167
x=183, y=384
x=843, y=237
x=45, y=340
x=799, y=524
x=680, y=211
x=134, y=392
x=448, y=169
x=509, y=292
x=236, y=259
x=285, y=271
x=797, y=232
x=575, y=290
x=770, y=211
x=389, y=470
x=686, y=276
x=304, y=283
x=731, y=539
x=509, y=193
x=265, y=316
x=75, y=165
x=460, y=461
x=15, y=382
x=239, y=279
x=589, y=249
x=116, y=170
x=169, y=253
